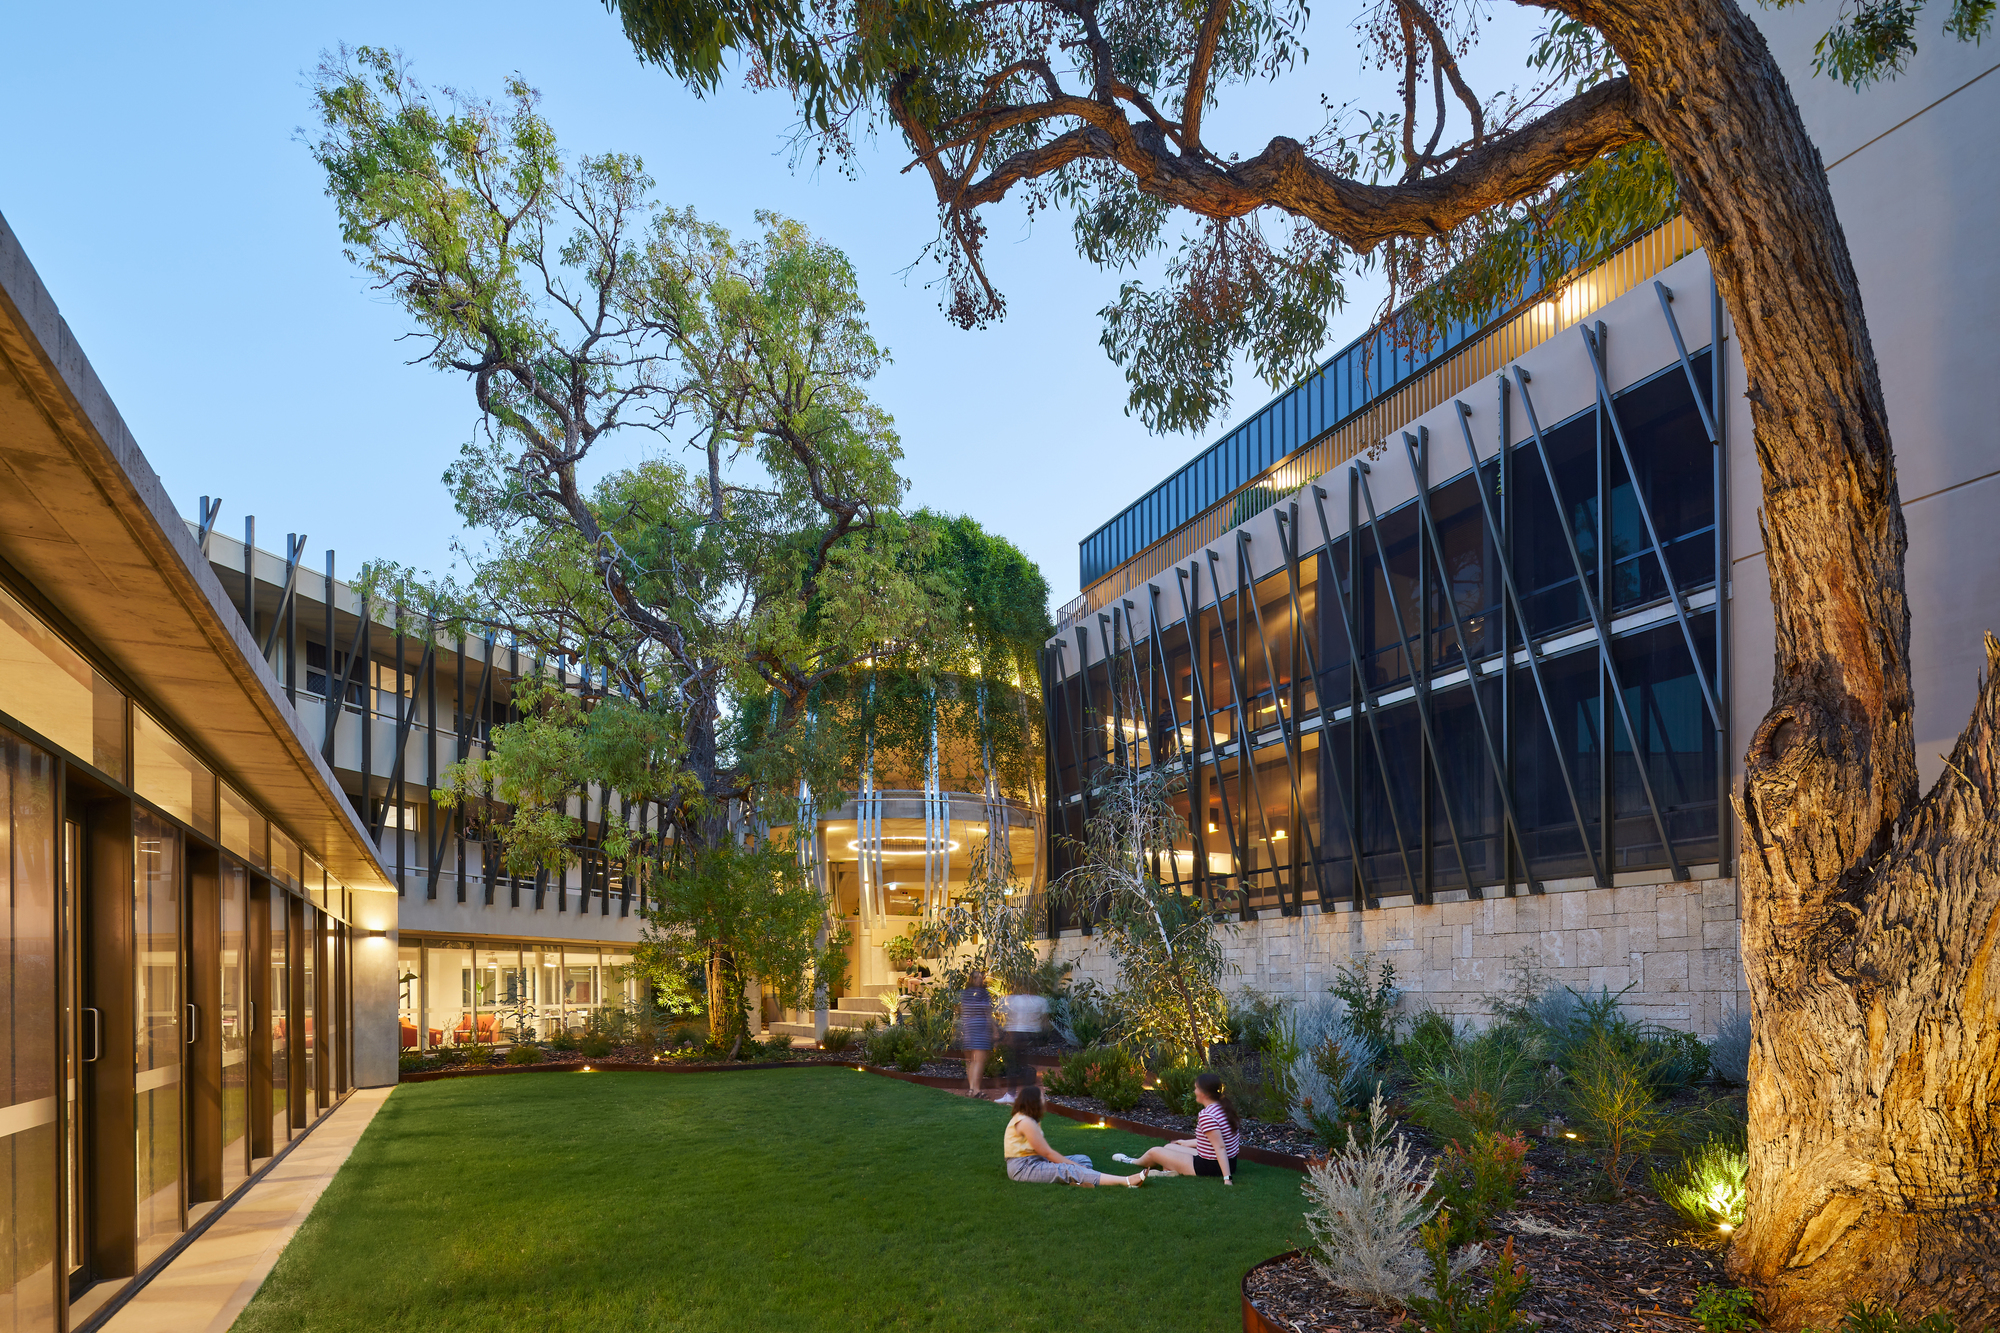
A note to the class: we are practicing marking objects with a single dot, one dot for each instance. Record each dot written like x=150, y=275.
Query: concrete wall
x=1675, y=944
x=375, y=990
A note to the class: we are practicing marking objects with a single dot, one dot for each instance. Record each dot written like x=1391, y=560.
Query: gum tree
x=1869, y=906
x=758, y=561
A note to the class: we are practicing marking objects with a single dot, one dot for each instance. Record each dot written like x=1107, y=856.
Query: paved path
x=208, y=1284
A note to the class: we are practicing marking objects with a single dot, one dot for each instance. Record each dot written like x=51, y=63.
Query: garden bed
x=1593, y=1266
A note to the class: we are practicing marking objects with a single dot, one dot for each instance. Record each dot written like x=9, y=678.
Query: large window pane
x=166, y=773
x=279, y=1026
x=232, y=954
x=156, y=1014
x=48, y=686
x=28, y=1027
x=242, y=828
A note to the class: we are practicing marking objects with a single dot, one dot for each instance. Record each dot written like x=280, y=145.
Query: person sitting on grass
x=1212, y=1150
x=1031, y=1160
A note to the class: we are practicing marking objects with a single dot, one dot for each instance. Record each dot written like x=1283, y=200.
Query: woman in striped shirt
x=1212, y=1151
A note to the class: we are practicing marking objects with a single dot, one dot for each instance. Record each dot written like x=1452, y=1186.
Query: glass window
x=156, y=1017
x=242, y=828
x=234, y=893
x=52, y=689
x=166, y=773
x=28, y=1026
x=279, y=1027
x=284, y=858
x=315, y=881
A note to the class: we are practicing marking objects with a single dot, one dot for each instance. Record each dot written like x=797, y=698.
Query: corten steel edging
x=1253, y=1318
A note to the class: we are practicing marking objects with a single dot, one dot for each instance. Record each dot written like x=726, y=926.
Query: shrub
x=1084, y=1015
x=837, y=1039
x=901, y=953
x=1371, y=997
x=776, y=1046
x=910, y=1053
x=1109, y=1073
x=1477, y=1088
x=879, y=1043
x=1364, y=1205
x=1433, y=1037
x=1729, y=1053
x=562, y=1041
x=1250, y=1016
x=595, y=1047
x=1674, y=1059
x=1866, y=1317
x=1608, y=1097
x=1477, y=1182
x=1707, y=1188
x=409, y=1062
x=686, y=1037
x=1451, y=1306
x=525, y=1054
x=1253, y=1097
x=1725, y=1309
x=1176, y=1087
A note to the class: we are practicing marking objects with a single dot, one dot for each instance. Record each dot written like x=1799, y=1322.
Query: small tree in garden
x=988, y=928
x=1170, y=962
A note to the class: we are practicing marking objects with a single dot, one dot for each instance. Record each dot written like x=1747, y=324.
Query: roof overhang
x=86, y=520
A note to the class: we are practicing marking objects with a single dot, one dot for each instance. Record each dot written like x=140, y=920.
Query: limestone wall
x=1676, y=945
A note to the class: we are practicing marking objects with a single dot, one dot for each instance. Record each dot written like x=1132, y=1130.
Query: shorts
x=1208, y=1166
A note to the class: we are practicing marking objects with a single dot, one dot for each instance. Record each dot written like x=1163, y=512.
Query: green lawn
x=818, y=1199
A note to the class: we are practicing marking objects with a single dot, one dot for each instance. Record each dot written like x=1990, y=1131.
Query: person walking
x=1026, y=1015
x=975, y=1027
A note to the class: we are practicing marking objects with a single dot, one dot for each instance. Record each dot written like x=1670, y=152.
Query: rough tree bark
x=1869, y=914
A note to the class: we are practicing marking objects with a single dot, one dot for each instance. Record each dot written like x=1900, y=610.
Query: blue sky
x=153, y=172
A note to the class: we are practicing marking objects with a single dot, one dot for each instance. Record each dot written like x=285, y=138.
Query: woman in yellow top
x=1030, y=1158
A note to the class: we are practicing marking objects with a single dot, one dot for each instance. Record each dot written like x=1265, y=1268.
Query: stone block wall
x=1676, y=944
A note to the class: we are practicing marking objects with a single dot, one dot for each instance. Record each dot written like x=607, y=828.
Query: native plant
x=1608, y=1096
x=1477, y=1179
x=1726, y=1309
x=1706, y=1186
x=1369, y=991
x=989, y=927
x=1322, y=1065
x=1166, y=942
x=1475, y=1087
x=1729, y=1053
x=1452, y=1306
x=1365, y=1203
x=1175, y=1084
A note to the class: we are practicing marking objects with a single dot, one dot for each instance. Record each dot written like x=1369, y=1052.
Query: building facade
x=1453, y=649
x=391, y=702
x=195, y=926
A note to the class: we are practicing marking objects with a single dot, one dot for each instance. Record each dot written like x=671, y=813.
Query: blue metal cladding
x=1362, y=371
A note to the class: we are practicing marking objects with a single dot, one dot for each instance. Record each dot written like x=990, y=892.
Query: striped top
x=1213, y=1117
x=975, y=1018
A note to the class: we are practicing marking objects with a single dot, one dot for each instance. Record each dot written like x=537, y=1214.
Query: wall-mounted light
x=375, y=934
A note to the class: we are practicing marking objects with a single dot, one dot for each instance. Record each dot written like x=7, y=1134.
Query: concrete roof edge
x=125, y=468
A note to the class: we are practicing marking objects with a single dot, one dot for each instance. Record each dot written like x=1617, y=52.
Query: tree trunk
x=1869, y=914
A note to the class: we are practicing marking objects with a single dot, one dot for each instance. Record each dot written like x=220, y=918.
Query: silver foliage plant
x=1308, y=1032
x=1364, y=1206
x=1729, y=1053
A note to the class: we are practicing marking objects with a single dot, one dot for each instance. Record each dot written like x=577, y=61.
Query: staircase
x=850, y=1012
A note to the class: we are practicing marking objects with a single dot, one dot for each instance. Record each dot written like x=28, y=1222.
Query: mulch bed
x=1632, y=1265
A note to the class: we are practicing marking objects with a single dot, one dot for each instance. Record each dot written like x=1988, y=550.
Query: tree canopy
x=720, y=597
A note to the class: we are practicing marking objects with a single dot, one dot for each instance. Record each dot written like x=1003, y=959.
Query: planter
x=1253, y=1318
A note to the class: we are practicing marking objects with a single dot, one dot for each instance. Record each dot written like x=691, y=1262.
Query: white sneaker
x=1008, y=1100
x=1121, y=1157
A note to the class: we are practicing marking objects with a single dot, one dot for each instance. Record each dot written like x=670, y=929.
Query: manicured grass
x=819, y=1199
